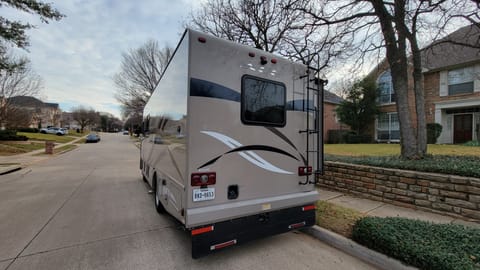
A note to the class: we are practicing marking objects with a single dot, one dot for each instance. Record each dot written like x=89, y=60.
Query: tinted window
x=263, y=102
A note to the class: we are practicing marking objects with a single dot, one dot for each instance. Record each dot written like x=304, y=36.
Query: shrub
x=433, y=132
x=11, y=135
x=458, y=165
x=336, y=135
x=421, y=244
x=354, y=138
x=30, y=130
x=472, y=143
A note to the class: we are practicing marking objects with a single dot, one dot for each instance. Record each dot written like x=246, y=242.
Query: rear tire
x=158, y=204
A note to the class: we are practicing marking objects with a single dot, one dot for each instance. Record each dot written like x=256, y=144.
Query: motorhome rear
x=226, y=137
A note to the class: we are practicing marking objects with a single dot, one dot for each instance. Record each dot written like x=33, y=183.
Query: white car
x=53, y=130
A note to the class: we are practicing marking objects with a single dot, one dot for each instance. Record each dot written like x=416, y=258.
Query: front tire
x=158, y=204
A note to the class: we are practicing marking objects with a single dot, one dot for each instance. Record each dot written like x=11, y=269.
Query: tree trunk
x=419, y=101
x=408, y=142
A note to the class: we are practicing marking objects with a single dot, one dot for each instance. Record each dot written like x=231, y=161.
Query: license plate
x=203, y=194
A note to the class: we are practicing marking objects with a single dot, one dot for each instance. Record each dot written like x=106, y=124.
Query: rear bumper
x=241, y=230
x=217, y=213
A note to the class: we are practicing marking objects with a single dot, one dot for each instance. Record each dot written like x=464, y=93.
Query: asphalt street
x=89, y=209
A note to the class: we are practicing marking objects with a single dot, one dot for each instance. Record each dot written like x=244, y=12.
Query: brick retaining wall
x=437, y=192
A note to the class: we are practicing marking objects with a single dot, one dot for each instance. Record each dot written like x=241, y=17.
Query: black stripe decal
x=202, y=88
x=250, y=148
x=287, y=140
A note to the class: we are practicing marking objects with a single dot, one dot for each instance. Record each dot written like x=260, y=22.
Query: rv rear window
x=263, y=102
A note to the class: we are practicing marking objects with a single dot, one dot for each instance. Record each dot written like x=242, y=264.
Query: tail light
x=203, y=179
x=302, y=171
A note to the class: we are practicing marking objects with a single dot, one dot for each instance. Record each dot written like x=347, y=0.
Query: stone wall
x=449, y=194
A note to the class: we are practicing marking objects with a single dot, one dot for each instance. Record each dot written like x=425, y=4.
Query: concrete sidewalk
x=380, y=209
x=16, y=162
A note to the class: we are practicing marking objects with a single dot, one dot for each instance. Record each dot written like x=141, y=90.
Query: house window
x=388, y=128
x=386, y=94
x=460, y=81
x=263, y=102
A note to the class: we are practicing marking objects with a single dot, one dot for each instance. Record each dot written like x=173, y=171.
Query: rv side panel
x=164, y=150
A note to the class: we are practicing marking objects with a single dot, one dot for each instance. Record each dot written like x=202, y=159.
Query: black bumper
x=241, y=230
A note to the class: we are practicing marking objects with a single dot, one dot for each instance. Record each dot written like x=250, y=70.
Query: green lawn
x=13, y=148
x=394, y=149
x=46, y=137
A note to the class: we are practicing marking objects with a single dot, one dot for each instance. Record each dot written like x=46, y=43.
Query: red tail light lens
x=203, y=179
x=202, y=39
x=305, y=170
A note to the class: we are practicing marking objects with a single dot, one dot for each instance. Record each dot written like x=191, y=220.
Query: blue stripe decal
x=202, y=88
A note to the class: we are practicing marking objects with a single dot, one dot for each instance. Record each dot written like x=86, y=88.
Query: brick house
x=452, y=90
x=40, y=114
x=330, y=119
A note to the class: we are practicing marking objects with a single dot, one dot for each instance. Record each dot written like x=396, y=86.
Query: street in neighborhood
x=89, y=209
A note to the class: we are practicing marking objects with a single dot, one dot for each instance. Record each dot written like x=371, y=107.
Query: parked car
x=92, y=138
x=125, y=132
x=65, y=131
x=53, y=130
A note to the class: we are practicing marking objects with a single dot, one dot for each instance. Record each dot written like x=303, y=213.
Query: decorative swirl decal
x=247, y=152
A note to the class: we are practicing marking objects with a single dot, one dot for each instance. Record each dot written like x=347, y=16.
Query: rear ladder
x=314, y=92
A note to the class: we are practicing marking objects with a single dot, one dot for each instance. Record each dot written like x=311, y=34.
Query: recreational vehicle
x=233, y=142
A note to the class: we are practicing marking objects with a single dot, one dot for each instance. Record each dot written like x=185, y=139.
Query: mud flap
x=214, y=237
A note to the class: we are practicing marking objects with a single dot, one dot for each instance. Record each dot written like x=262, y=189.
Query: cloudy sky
x=78, y=55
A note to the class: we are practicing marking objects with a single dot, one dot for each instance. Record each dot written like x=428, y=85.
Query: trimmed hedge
x=30, y=130
x=433, y=132
x=457, y=165
x=472, y=143
x=421, y=244
x=11, y=135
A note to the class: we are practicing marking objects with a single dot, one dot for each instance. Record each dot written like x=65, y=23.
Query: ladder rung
x=313, y=89
x=310, y=131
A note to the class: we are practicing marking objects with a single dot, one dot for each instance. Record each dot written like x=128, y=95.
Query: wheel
x=158, y=204
x=144, y=178
x=43, y=132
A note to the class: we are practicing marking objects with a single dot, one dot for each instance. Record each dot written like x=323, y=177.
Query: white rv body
x=205, y=122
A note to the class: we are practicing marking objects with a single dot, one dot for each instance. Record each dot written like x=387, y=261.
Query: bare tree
x=139, y=75
x=19, y=81
x=85, y=117
x=278, y=26
x=393, y=27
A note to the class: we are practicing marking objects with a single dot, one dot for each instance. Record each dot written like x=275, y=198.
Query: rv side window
x=263, y=102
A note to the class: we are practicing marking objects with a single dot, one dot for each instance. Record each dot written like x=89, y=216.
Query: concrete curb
x=348, y=246
x=9, y=169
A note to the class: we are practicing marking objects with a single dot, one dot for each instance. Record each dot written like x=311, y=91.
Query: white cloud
x=78, y=55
